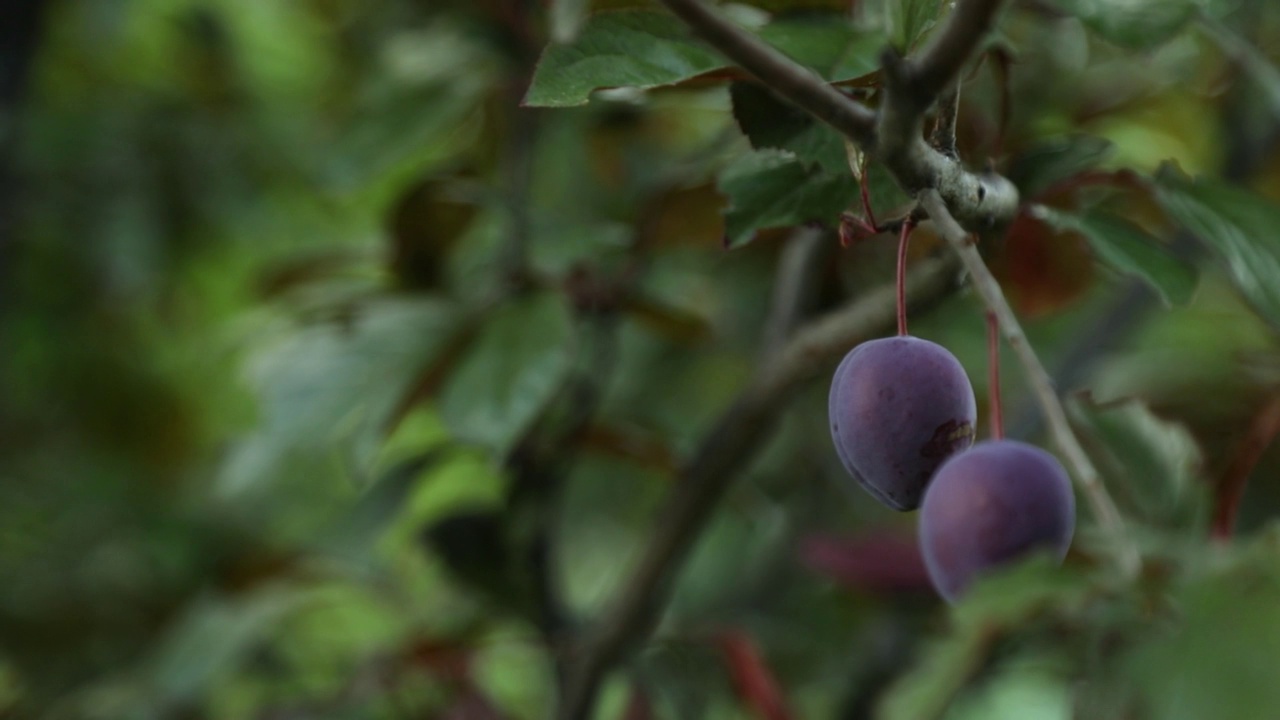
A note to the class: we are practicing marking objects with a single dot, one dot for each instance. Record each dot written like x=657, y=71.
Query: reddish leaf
x=639, y=706
x=1042, y=270
x=752, y=679
x=880, y=562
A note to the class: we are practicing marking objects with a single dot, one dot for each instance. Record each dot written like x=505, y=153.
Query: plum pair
x=903, y=415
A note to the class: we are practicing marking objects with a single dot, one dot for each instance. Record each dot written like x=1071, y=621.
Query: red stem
x=903, y=237
x=993, y=377
x=1230, y=490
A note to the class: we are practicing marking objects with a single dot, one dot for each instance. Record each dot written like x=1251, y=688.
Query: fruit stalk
x=1082, y=469
x=904, y=236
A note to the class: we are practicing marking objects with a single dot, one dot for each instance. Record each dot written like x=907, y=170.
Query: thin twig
x=1230, y=489
x=703, y=480
x=1086, y=475
x=993, y=376
x=795, y=288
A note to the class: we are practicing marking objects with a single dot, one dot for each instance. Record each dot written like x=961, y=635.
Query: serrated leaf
x=1238, y=225
x=769, y=122
x=1129, y=250
x=647, y=49
x=1134, y=24
x=1056, y=159
x=1152, y=464
x=509, y=373
x=772, y=188
x=627, y=48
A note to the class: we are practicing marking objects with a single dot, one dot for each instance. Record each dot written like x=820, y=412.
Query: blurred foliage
x=328, y=352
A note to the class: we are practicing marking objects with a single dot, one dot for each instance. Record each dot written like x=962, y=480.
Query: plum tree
x=995, y=503
x=899, y=407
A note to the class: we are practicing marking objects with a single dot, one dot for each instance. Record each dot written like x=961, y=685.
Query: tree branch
x=706, y=476
x=894, y=135
x=788, y=78
x=1086, y=475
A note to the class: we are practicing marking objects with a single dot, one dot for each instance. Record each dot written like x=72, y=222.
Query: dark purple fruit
x=990, y=506
x=899, y=407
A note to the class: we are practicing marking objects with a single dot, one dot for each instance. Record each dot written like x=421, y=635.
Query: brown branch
x=1230, y=490
x=894, y=135
x=788, y=78
x=1086, y=475
x=939, y=64
x=703, y=480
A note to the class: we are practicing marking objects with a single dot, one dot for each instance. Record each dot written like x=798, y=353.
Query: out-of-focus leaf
x=907, y=20
x=1129, y=250
x=1214, y=663
x=885, y=561
x=338, y=384
x=566, y=19
x=771, y=188
x=754, y=681
x=514, y=671
x=1020, y=693
x=428, y=219
x=994, y=606
x=510, y=372
x=1042, y=270
x=1152, y=464
x=1133, y=24
x=769, y=122
x=1239, y=226
x=1056, y=159
x=211, y=636
x=647, y=49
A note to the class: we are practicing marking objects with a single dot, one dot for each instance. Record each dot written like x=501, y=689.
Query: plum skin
x=899, y=407
x=991, y=505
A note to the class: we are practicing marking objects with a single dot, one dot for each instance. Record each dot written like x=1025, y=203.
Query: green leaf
x=1057, y=159
x=907, y=20
x=1152, y=465
x=211, y=636
x=827, y=44
x=338, y=384
x=772, y=188
x=630, y=48
x=1216, y=662
x=646, y=49
x=1005, y=603
x=768, y=122
x=1128, y=250
x=1134, y=24
x=1238, y=225
x=510, y=372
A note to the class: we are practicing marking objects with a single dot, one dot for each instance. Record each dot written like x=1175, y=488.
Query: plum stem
x=993, y=375
x=904, y=236
x=1086, y=475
